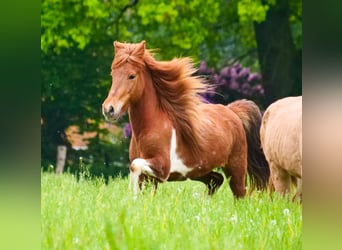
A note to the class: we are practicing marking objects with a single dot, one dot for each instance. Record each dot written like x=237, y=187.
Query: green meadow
x=88, y=213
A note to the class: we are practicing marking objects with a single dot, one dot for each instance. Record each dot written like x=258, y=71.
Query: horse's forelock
x=131, y=53
x=120, y=59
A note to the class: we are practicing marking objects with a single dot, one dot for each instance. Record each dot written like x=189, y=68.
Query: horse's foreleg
x=149, y=181
x=137, y=169
x=141, y=168
x=212, y=180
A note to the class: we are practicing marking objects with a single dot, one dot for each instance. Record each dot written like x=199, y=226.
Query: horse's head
x=127, y=79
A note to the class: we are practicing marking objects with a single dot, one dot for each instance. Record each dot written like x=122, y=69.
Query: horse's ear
x=117, y=46
x=141, y=47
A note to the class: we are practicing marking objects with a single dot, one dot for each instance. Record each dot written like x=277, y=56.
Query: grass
x=89, y=214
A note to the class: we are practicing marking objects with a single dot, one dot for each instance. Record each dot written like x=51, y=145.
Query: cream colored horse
x=281, y=140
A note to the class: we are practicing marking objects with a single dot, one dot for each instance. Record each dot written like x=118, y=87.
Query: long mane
x=178, y=91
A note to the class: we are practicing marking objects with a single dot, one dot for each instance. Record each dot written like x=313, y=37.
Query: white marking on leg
x=177, y=165
x=134, y=181
x=138, y=166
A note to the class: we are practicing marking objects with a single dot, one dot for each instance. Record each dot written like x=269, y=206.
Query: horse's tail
x=257, y=168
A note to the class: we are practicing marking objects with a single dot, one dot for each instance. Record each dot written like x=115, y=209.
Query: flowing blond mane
x=178, y=91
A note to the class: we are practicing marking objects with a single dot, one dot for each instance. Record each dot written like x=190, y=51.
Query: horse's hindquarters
x=281, y=138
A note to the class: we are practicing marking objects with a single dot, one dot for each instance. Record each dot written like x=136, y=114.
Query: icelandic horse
x=281, y=140
x=175, y=134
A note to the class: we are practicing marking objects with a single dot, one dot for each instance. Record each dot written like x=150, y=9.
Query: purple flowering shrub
x=227, y=85
x=127, y=131
x=232, y=83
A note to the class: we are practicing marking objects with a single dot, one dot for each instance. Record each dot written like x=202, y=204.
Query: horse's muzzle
x=109, y=113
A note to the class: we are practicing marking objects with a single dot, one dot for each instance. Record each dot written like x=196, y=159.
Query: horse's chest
x=176, y=163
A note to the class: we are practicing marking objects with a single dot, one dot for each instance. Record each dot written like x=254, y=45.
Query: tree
x=277, y=28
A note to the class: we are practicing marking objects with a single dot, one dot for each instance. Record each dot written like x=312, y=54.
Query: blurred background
x=246, y=48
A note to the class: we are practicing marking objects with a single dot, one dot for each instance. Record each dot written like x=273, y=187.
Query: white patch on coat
x=138, y=166
x=177, y=165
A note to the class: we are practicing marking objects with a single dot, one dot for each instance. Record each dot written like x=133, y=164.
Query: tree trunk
x=280, y=62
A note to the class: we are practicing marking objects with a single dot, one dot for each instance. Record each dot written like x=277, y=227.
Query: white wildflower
x=234, y=218
x=286, y=211
x=195, y=195
x=76, y=240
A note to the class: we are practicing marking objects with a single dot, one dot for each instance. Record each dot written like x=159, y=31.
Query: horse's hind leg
x=270, y=186
x=298, y=195
x=237, y=180
x=212, y=180
x=281, y=179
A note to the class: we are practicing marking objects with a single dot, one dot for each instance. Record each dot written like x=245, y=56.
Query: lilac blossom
x=127, y=130
x=232, y=83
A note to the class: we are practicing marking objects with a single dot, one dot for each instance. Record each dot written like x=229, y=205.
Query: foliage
x=66, y=24
x=70, y=24
x=296, y=22
x=204, y=33
x=184, y=24
x=253, y=10
x=89, y=214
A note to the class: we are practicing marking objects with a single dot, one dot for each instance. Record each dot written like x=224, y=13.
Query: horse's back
x=221, y=121
x=281, y=134
x=222, y=129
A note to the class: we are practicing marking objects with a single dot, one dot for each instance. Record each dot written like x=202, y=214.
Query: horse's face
x=127, y=86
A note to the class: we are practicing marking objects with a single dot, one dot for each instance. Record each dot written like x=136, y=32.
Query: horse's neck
x=144, y=113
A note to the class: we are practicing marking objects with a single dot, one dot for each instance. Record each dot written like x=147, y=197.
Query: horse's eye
x=131, y=77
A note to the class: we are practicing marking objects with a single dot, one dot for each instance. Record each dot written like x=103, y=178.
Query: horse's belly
x=180, y=171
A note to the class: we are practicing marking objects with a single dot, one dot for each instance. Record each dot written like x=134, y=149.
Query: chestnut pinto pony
x=175, y=135
x=281, y=139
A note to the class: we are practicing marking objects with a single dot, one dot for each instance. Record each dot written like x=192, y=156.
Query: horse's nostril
x=110, y=110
